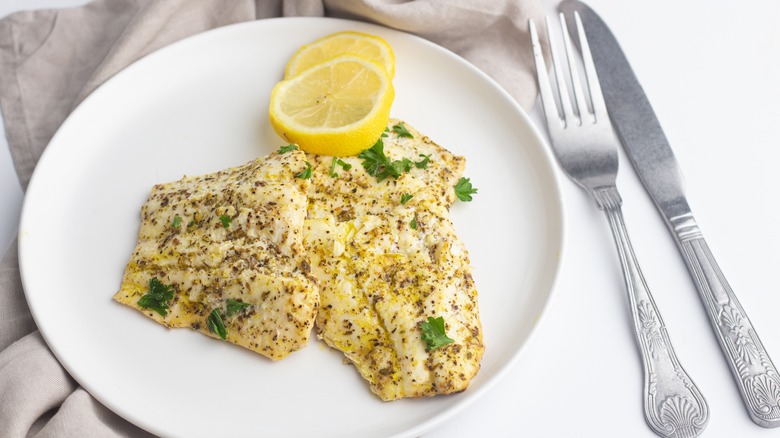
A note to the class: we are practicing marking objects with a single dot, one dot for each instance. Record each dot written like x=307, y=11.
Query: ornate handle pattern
x=673, y=404
x=757, y=377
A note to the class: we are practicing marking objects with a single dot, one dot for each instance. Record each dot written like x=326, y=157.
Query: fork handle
x=757, y=377
x=673, y=404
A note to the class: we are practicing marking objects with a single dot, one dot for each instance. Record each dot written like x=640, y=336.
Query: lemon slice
x=342, y=43
x=338, y=107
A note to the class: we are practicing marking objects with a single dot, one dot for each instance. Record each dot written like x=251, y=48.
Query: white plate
x=201, y=105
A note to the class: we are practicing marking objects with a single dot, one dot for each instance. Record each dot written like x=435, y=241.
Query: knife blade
x=646, y=145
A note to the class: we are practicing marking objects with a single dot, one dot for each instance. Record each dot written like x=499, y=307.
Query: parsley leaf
x=423, y=164
x=157, y=298
x=433, y=333
x=413, y=224
x=463, y=189
x=305, y=173
x=401, y=130
x=384, y=134
x=225, y=219
x=176, y=222
x=234, y=307
x=405, y=198
x=334, y=162
x=216, y=325
x=405, y=164
x=379, y=165
x=288, y=148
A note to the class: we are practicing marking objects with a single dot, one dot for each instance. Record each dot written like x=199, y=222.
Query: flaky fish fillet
x=384, y=267
x=230, y=241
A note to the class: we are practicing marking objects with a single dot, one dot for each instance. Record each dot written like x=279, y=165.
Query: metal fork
x=586, y=148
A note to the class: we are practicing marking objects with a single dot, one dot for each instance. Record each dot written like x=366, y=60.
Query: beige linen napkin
x=50, y=60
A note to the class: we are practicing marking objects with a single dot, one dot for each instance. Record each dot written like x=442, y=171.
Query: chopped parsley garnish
x=405, y=164
x=413, y=224
x=423, y=164
x=337, y=161
x=463, y=189
x=216, y=325
x=288, y=148
x=157, y=298
x=376, y=162
x=305, y=173
x=344, y=165
x=401, y=130
x=234, y=307
x=433, y=333
x=378, y=165
x=384, y=134
x=176, y=222
x=405, y=198
x=225, y=219
x=191, y=224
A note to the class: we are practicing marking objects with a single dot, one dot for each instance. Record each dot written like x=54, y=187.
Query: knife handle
x=673, y=405
x=757, y=377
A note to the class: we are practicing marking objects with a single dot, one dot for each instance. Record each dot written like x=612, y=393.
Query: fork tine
x=579, y=95
x=563, y=91
x=545, y=89
x=596, y=97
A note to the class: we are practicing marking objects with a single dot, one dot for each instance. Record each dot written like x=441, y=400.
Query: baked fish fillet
x=384, y=267
x=228, y=243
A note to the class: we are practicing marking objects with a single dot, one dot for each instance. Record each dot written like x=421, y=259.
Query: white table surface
x=712, y=72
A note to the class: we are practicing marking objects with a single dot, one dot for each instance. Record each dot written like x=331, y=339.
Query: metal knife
x=646, y=145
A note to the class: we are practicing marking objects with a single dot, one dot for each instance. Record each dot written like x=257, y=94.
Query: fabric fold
x=32, y=383
x=16, y=321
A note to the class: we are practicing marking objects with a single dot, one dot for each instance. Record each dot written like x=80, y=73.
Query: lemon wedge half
x=338, y=107
x=342, y=43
